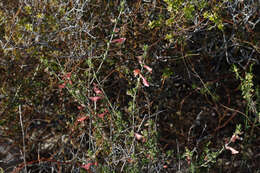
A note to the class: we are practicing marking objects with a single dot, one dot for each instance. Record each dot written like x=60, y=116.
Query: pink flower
x=148, y=68
x=144, y=81
x=66, y=79
x=103, y=114
x=188, y=159
x=119, y=40
x=67, y=76
x=116, y=30
x=81, y=106
x=95, y=99
x=233, y=151
x=97, y=90
x=86, y=166
x=139, y=137
x=82, y=118
x=136, y=72
x=62, y=86
x=235, y=137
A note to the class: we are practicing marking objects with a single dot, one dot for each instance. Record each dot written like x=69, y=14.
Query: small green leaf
x=29, y=27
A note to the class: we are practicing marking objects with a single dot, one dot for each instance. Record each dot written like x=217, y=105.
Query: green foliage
x=186, y=14
x=156, y=23
x=174, y=6
x=189, y=11
x=248, y=91
x=246, y=84
x=209, y=157
x=167, y=72
x=214, y=17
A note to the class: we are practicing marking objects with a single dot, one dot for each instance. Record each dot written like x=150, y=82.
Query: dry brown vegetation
x=129, y=86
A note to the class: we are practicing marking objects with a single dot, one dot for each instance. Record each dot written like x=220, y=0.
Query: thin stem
x=21, y=122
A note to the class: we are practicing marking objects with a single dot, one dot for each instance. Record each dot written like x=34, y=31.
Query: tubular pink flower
x=136, y=72
x=87, y=166
x=97, y=90
x=62, y=86
x=233, y=151
x=119, y=40
x=103, y=114
x=148, y=68
x=82, y=118
x=144, y=81
x=95, y=99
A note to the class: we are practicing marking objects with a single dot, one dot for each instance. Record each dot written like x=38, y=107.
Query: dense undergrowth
x=129, y=86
